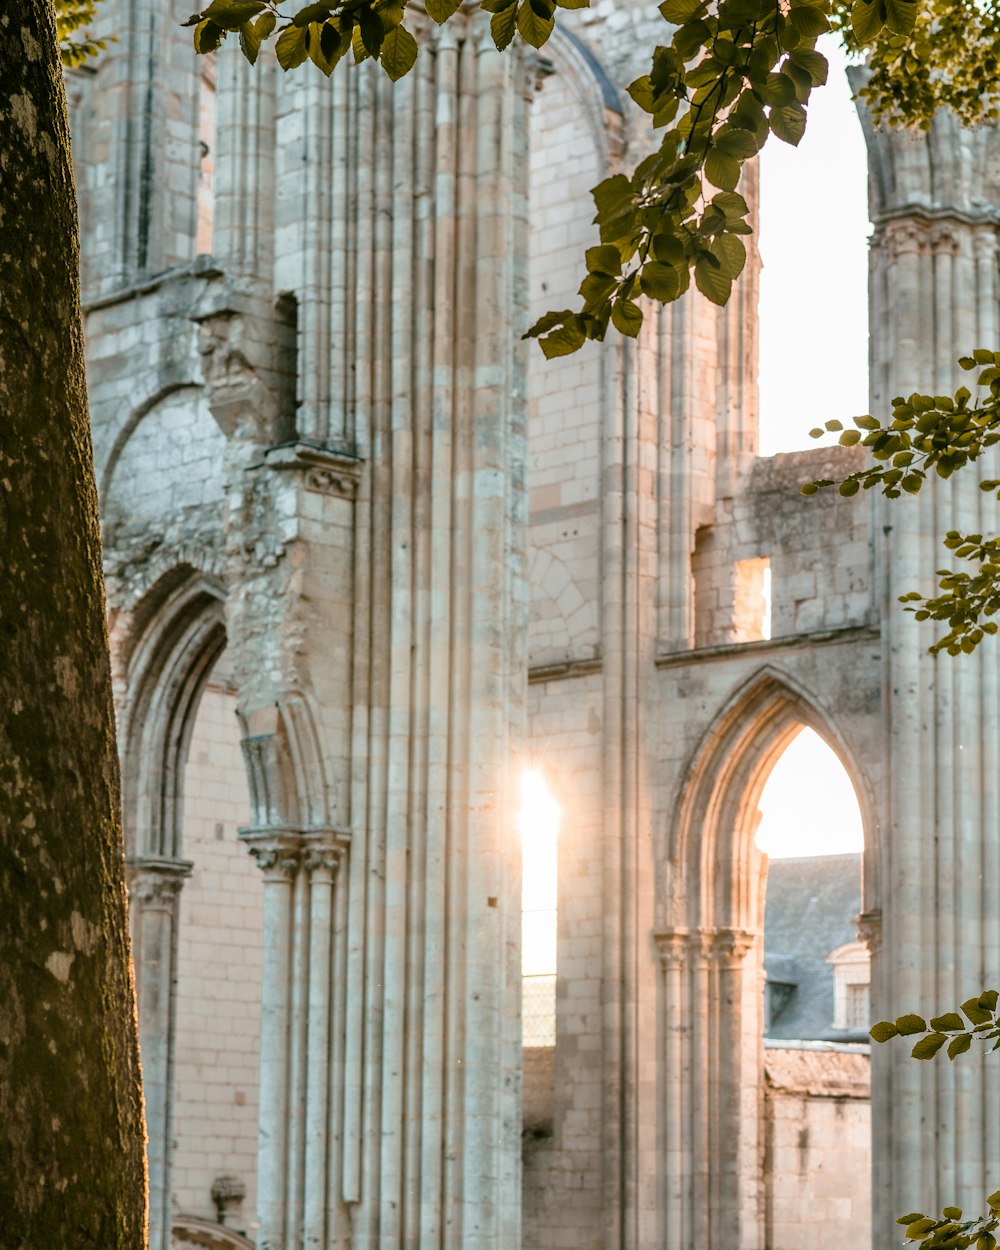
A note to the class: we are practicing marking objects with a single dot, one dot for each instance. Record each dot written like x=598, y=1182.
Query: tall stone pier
x=934, y=297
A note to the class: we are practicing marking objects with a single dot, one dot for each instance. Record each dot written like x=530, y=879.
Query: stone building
x=368, y=560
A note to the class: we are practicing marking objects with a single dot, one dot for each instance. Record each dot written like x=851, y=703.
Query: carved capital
x=276, y=852
x=732, y=946
x=869, y=929
x=674, y=946
x=944, y=238
x=155, y=883
x=903, y=237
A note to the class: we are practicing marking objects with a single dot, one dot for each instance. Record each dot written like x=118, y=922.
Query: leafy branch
x=936, y=435
x=950, y=1231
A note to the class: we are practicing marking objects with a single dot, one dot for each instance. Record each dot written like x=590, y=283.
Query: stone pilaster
x=154, y=887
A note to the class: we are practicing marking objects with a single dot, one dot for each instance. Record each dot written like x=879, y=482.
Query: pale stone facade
x=343, y=504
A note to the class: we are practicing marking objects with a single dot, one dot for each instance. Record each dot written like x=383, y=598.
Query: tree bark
x=71, y=1135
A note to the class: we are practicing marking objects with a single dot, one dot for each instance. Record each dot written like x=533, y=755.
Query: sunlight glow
x=808, y=806
x=538, y=824
x=814, y=284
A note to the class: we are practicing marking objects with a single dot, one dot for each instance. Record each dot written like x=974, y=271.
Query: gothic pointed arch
x=710, y=951
x=289, y=783
x=178, y=634
x=711, y=841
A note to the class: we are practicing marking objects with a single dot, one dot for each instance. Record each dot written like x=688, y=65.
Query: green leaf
x=989, y=999
x=731, y=254
x=680, y=11
x=976, y=1012
x=814, y=63
x=532, y=26
x=847, y=489
x=731, y=204
x=710, y=279
x=612, y=196
x=950, y=1022
x=207, y=36
x=952, y=1213
x=440, y=10
x=231, y=14
x=788, y=123
x=566, y=339
x=959, y=1045
x=372, y=31
x=808, y=20
x=911, y=1023
x=735, y=142
x=264, y=25
x=312, y=13
x=722, y=170
x=865, y=20
x=291, y=47
x=249, y=43
x=928, y=1046
x=502, y=26
x=604, y=259
x=626, y=317
x=900, y=16
x=916, y=1230
x=659, y=281
x=326, y=46
x=358, y=46
x=911, y=1218
x=399, y=52
x=993, y=1201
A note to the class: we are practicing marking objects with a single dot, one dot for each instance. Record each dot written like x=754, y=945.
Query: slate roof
x=810, y=908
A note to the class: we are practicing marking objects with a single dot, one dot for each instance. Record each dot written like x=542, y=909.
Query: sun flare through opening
x=538, y=823
x=808, y=805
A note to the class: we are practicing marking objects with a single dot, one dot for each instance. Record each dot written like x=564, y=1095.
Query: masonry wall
x=219, y=968
x=818, y=1150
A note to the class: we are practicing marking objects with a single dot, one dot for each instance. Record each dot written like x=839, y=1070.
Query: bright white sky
x=814, y=287
x=808, y=806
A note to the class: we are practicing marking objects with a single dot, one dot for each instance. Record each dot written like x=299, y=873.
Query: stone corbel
x=869, y=929
x=326, y=470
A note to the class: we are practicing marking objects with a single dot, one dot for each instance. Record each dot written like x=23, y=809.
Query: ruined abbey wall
x=352, y=527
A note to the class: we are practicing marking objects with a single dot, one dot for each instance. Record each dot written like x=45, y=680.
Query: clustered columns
x=154, y=886
x=299, y=872
x=934, y=297
x=711, y=1065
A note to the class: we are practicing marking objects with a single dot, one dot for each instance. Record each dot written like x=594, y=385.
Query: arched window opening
x=818, y=1117
x=814, y=283
x=538, y=825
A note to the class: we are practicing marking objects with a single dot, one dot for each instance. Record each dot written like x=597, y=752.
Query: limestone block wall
x=817, y=1163
x=818, y=547
x=567, y=396
x=218, y=969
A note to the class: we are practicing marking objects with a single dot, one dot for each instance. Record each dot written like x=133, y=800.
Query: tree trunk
x=71, y=1135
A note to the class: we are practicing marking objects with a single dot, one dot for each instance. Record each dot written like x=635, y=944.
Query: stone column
x=934, y=297
x=154, y=887
x=278, y=853
x=710, y=1066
